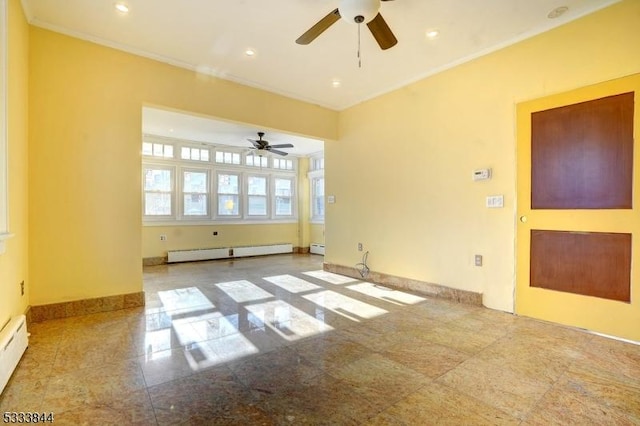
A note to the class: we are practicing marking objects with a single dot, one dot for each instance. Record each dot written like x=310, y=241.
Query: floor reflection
x=278, y=341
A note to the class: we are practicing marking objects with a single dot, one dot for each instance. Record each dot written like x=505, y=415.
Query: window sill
x=3, y=237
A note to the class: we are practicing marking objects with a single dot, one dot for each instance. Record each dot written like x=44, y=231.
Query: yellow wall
x=401, y=172
x=422, y=218
x=196, y=237
x=85, y=106
x=316, y=232
x=13, y=263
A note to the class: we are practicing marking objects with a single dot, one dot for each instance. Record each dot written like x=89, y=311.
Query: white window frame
x=173, y=171
x=231, y=152
x=314, y=176
x=216, y=195
x=262, y=159
x=191, y=148
x=164, y=145
x=267, y=196
x=207, y=193
x=4, y=147
x=214, y=169
x=293, y=196
x=286, y=161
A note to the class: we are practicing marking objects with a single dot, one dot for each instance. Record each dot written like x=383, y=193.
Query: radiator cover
x=227, y=252
x=13, y=342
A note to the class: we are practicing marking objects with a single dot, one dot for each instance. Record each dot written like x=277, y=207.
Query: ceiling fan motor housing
x=358, y=11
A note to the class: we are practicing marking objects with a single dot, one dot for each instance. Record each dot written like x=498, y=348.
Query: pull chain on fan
x=359, y=57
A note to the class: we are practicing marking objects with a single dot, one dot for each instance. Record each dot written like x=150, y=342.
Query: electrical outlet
x=163, y=238
x=359, y=246
x=478, y=260
x=22, y=288
x=215, y=233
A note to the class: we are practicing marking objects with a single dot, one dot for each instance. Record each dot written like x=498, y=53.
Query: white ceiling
x=201, y=129
x=211, y=36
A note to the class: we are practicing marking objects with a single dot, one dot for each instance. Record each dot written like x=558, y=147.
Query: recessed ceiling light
x=121, y=7
x=335, y=82
x=431, y=34
x=250, y=52
x=557, y=12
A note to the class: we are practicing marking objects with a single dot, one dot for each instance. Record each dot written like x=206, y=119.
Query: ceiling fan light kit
x=358, y=11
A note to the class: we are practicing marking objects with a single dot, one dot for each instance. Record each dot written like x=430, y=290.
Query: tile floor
x=275, y=340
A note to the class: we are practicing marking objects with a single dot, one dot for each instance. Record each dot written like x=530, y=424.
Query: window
x=317, y=198
x=195, y=154
x=317, y=163
x=187, y=181
x=195, y=190
x=256, y=196
x=283, y=188
x=158, y=191
x=316, y=190
x=227, y=157
x=282, y=164
x=155, y=149
x=256, y=161
x=228, y=194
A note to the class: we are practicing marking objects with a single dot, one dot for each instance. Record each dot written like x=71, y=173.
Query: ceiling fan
x=260, y=145
x=355, y=11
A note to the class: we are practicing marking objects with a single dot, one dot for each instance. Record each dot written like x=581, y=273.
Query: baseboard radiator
x=317, y=248
x=227, y=252
x=13, y=343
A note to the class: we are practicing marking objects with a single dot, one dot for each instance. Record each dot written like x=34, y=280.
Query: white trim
x=313, y=176
x=210, y=222
x=242, y=171
x=4, y=123
x=180, y=193
x=293, y=196
x=173, y=177
x=266, y=196
x=3, y=238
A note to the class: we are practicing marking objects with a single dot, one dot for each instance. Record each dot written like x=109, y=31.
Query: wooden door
x=578, y=235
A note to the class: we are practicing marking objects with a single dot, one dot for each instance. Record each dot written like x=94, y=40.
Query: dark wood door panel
x=582, y=155
x=588, y=263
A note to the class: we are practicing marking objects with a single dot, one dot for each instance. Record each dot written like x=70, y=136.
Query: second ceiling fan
x=260, y=146
x=355, y=11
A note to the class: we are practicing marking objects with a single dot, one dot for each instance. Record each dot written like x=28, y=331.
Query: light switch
x=331, y=199
x=495, y=201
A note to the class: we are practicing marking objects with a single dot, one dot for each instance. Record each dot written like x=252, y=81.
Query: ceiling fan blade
x=275, y=151
x=282, y=145
x=254, y=143
x=382, y=33
x=319, y=28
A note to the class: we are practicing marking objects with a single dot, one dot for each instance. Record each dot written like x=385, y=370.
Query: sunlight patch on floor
x=345, y=305
x=387, y=294
x=292, y=284
x=330, y=277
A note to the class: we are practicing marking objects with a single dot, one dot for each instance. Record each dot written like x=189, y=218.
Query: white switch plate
x=495, y=201
x=331, y=199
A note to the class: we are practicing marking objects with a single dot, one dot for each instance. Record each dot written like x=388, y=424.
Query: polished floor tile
x=278, y=341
